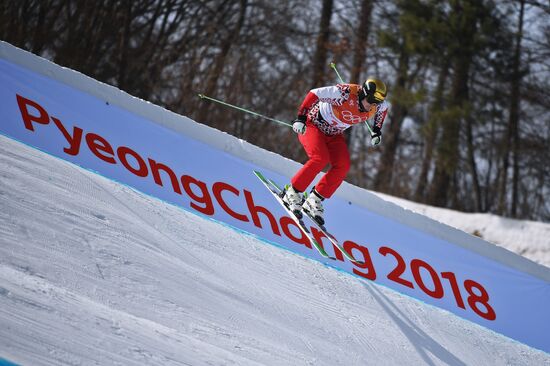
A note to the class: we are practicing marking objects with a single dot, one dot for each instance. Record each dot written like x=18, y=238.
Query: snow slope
x=95, y=273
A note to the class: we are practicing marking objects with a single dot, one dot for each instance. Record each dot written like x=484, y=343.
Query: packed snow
x=94, y=273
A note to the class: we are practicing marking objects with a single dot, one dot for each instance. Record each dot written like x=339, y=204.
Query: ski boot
x=314, y=206
x=293, y=200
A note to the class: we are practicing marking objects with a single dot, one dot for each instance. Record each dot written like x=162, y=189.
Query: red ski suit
x=330, y=111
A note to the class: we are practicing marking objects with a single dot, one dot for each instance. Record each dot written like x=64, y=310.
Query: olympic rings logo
x=348, y=116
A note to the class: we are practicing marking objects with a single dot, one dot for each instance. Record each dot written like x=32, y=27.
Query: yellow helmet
x=374, y=90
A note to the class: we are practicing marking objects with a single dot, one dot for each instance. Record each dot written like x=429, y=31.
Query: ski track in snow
x=95, y=273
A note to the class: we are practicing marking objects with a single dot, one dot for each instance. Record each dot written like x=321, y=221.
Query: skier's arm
x=306, y=105
x=299, y=124
x=378, y=121
x=379, y=117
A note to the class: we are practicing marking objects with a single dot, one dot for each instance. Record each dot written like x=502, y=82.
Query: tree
x=219, y=61
x=360, y=46
x=463, y=19
x=320, y=57
x=511, y=143
x=407, y=41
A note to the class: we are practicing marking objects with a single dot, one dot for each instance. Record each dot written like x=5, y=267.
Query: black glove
x=299, y=124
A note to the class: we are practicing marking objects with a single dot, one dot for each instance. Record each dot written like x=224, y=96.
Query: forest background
x=468, y=80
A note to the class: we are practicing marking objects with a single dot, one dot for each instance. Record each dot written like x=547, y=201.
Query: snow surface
x=95, y=273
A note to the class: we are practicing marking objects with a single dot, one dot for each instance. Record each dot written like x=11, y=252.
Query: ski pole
x=333, y=65
x=202, y=96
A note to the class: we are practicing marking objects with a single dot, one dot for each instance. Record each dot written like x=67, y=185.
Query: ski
x=323, y=229
x=332, y=239
x=276, y=191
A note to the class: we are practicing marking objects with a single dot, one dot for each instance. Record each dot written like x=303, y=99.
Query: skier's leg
x=340, y=164
x=314, y=143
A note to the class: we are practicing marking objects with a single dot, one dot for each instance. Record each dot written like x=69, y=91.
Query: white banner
x=73, y=125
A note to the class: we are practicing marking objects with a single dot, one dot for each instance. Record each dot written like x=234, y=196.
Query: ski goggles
x=374, y=98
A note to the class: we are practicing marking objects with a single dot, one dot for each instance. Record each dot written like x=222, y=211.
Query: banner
x=87, y=130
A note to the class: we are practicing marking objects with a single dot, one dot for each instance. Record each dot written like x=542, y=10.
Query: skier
x=322, y=119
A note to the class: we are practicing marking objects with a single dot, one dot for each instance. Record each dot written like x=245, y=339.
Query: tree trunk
x=124, y=43
x=514, y=111
x=464, y=19
x=361, y=41
x=320, y=58
x=219, y=62
x=431, y=130
x=511, y=140
x=360, y=48
x=472, y=164
x=386, y=166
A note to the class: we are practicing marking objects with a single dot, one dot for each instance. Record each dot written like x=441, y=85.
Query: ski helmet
x=374, y=90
